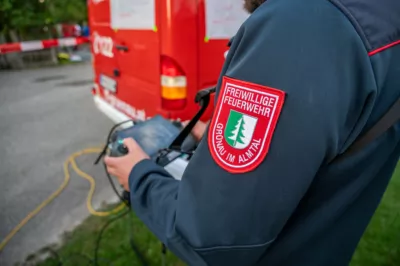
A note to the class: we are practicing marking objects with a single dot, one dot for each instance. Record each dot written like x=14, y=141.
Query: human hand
x=121, y=167
x=198, y=130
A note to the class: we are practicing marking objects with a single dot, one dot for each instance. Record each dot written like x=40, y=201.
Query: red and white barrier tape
x=40, y=45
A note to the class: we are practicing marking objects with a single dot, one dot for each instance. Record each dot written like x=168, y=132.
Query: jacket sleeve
x=213, y=217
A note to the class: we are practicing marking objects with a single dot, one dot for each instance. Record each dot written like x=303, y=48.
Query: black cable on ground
x=163, y=254
x=131, y=241
x=133, y=245
x=109, y=222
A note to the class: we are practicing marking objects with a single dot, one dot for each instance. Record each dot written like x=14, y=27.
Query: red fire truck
x=152, y=56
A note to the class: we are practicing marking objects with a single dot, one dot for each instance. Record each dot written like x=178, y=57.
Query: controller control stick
x=122, y=149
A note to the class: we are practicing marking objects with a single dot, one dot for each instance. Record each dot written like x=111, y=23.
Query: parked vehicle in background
x=152, y=56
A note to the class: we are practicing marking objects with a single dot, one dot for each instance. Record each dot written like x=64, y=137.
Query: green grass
x=115, y=246
x=380, y=245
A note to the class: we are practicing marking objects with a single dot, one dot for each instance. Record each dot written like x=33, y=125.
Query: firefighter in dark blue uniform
x=302, y=80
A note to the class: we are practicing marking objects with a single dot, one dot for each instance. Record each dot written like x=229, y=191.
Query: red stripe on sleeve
x=383, y=48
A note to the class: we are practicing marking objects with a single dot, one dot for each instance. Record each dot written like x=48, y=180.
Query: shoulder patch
x=243, y=124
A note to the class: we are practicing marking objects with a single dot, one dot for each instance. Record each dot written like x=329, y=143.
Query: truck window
x=128, y=14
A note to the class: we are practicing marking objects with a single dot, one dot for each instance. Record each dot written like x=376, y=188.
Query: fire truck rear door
x=137, y=49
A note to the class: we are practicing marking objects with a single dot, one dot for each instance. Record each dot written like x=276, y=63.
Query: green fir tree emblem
x=239, y=129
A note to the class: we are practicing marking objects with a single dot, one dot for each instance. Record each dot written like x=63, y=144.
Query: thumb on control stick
x=131, y=144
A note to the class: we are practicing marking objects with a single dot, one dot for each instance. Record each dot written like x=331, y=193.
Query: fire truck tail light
x=173, y=88
x=173, y=85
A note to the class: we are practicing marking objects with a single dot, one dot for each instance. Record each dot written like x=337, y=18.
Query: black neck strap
x=203, y=99
x=386, y=122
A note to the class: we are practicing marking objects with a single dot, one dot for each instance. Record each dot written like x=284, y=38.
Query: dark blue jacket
x=337, y=64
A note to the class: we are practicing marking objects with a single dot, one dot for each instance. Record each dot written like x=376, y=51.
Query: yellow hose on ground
x=55, y=194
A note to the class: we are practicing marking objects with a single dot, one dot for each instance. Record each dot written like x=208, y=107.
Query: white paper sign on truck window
x=224, y=18
x=133, y=14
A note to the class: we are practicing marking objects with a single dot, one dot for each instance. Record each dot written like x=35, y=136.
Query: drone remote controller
x=152, y=136
x=158, y=134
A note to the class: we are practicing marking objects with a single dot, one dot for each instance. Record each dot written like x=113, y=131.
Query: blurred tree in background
x=25, y=19
x=67, y=11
